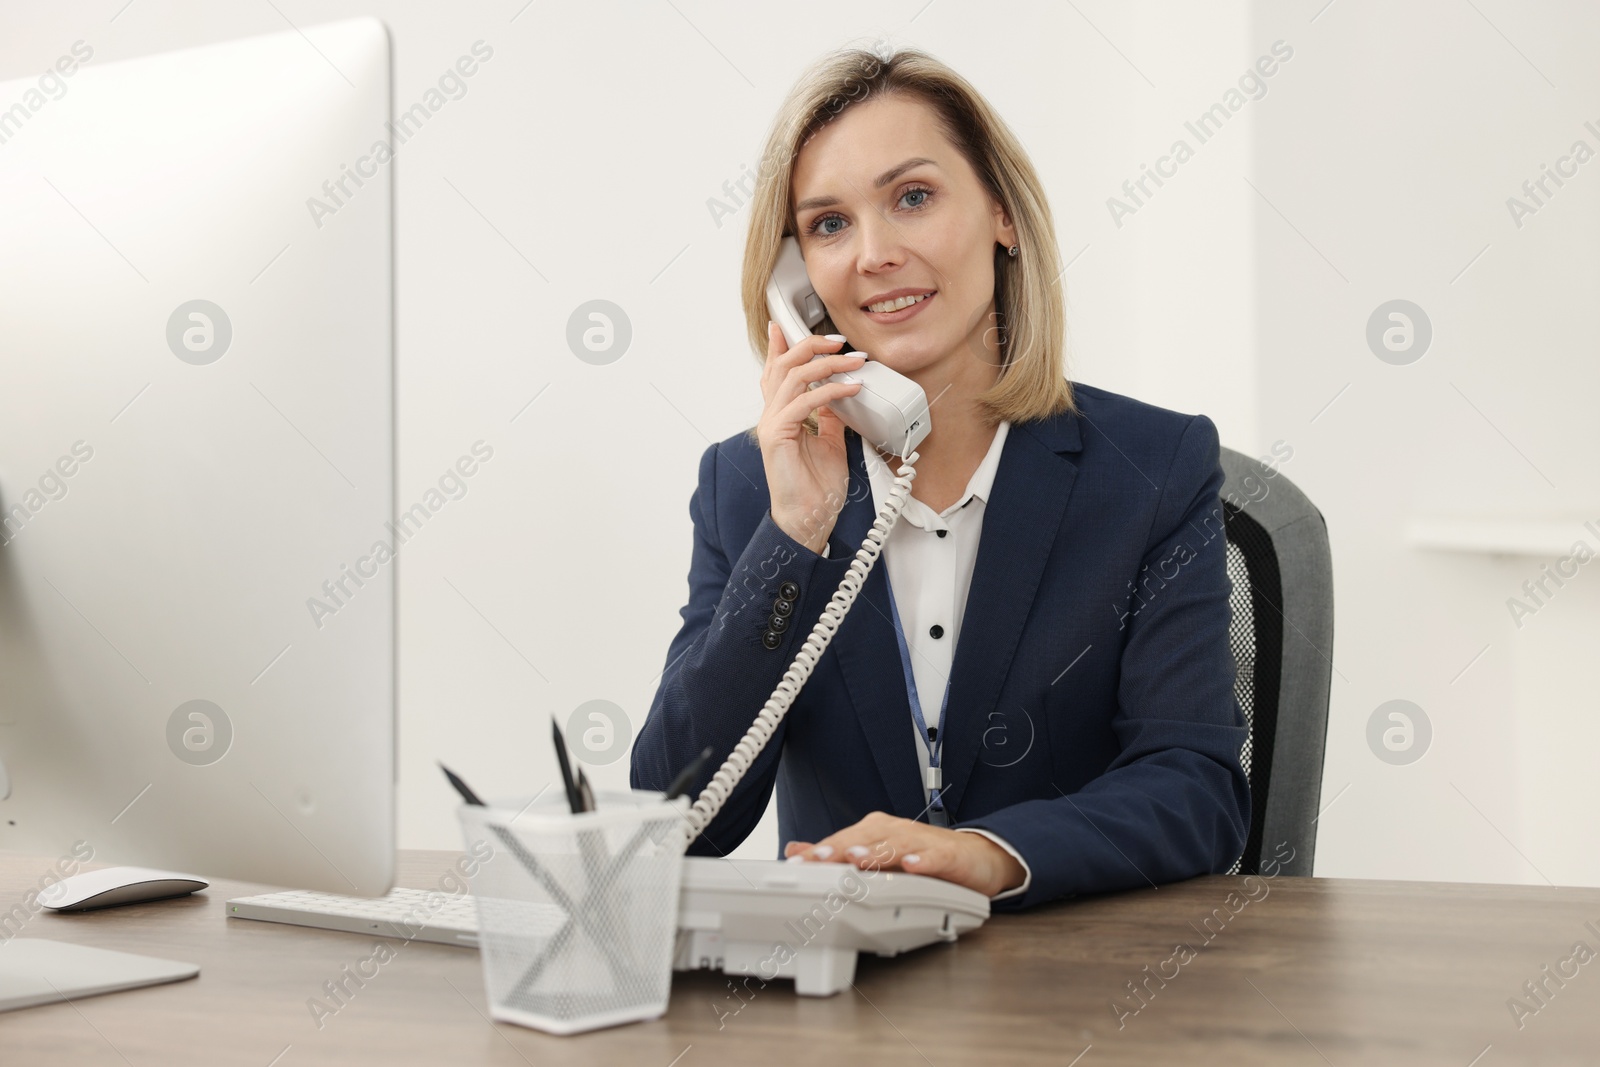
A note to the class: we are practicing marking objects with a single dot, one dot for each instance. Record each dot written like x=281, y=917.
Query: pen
x=574, y=798
x=461, y=787
x=585, y=792
x=580, y=798
x=686, y=777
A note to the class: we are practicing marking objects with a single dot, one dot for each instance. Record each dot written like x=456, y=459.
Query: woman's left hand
x=886, y=842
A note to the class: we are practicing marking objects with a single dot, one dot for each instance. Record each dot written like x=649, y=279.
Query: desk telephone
x=731, y=913
x=891, y=412
x=738, y=924
x=888, y=411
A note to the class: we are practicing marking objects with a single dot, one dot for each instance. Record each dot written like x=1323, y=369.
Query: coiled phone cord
x=794, y=679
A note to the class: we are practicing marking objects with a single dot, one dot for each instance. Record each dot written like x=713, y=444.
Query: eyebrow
x=883, y=179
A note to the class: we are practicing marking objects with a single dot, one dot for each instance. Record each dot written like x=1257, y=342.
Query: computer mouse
x=117, y=885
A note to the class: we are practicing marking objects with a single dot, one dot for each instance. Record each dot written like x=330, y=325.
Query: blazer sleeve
x=1175, y=803
x=719, y=671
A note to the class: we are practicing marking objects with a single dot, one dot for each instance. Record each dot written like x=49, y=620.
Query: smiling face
x=888, y=211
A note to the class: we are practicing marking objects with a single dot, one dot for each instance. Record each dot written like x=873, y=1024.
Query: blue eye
x=817, y=225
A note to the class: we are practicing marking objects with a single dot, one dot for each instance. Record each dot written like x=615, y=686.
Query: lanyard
x=935, y=737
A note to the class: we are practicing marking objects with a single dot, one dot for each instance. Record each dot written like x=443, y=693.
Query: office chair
x=1282, y=638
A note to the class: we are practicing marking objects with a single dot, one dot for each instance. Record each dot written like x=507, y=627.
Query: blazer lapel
x=1020, y=521
x=1021, y=517
x=869, y=655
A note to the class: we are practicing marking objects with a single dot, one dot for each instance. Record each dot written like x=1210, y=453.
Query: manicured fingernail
x=857, y=851
x=912, y=857
x=834, y=337
x=822, y=852
x=798, y=857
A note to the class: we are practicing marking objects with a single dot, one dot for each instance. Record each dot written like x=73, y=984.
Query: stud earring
x=1012, y=250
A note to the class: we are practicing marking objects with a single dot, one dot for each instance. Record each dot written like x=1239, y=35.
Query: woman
x=1082, y=736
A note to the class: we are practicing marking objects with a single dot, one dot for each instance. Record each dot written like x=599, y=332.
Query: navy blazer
x=1091, y=722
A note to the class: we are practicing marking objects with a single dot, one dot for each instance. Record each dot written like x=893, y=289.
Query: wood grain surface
x=1286, y=971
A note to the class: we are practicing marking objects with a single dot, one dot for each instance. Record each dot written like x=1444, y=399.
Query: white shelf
x=1502, y=536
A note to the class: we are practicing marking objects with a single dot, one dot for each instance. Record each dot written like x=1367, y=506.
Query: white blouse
x=930, y=558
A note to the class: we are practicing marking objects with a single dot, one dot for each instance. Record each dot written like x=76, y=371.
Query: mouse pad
x=36, y=971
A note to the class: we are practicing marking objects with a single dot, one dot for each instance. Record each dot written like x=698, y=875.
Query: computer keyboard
x=731, y=914
x=408, y=914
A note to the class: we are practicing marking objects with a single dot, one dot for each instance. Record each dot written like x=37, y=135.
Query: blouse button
x=936, y=631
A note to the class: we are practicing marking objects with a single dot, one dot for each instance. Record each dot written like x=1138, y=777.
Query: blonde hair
x=1030, y=310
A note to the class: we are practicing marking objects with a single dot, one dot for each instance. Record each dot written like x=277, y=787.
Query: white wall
x=579, y=166
x=1397, y=137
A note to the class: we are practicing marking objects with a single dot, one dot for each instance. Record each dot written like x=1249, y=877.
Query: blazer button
x=771, y=640
x=782, y=607
x=789, y=591
x=777, y=624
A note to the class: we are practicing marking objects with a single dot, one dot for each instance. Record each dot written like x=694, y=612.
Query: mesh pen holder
x=577, y=914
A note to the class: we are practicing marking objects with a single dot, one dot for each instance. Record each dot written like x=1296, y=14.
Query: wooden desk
x=1307, y=971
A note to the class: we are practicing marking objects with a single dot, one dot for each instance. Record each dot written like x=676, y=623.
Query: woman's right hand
x=806, y=476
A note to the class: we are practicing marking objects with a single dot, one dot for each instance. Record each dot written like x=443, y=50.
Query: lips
x=921, y=297
x=894, y=295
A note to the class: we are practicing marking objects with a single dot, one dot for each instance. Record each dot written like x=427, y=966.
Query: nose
x=881, y=245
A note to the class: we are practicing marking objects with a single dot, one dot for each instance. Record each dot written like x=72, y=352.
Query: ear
x=1005, y=233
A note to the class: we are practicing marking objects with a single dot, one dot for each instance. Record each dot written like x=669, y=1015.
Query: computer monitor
x=197, y=460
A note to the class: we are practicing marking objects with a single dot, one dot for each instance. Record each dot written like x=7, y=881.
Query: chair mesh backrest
x=1255, y=634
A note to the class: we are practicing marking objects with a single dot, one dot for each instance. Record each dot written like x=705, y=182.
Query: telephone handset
x=891, y=412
